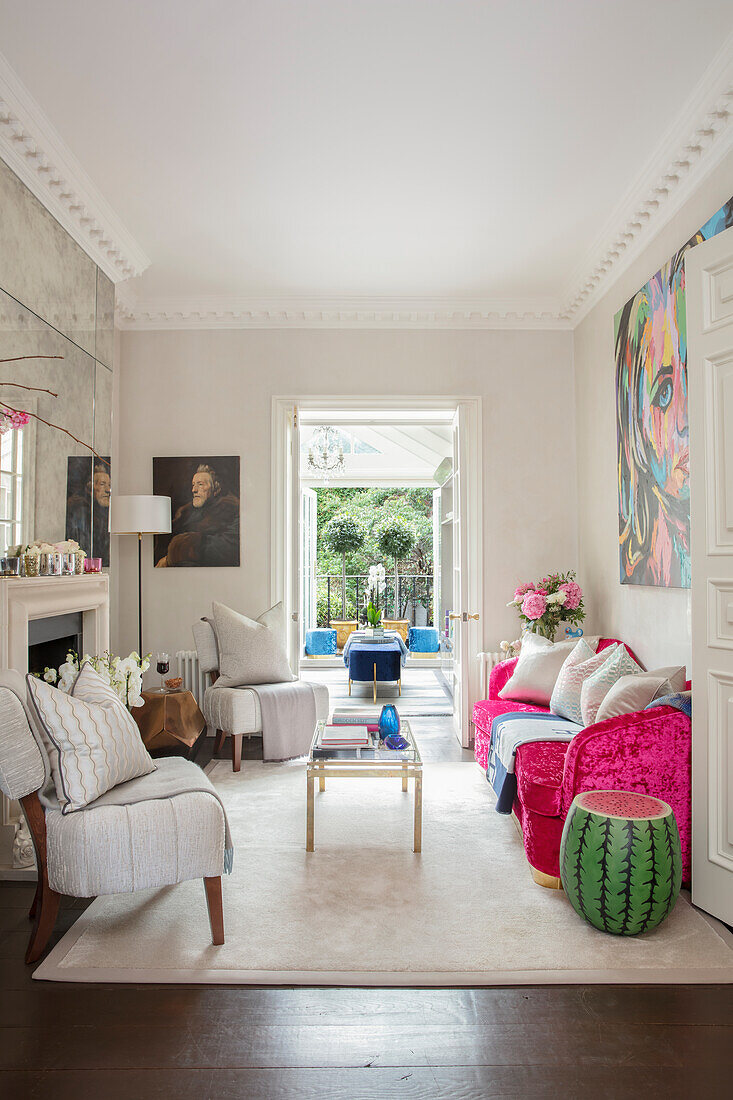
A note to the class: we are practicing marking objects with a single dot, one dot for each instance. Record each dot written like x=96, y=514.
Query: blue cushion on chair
x=320, y=642
x=423, y=639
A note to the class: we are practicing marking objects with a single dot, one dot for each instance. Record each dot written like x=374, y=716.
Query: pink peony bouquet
x=554, y=599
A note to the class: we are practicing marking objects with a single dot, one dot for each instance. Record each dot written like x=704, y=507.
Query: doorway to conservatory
x=376, y=496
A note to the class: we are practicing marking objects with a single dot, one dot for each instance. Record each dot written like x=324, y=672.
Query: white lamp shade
x=140, y=515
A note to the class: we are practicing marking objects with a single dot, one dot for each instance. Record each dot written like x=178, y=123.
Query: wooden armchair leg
x=45, y=905
x=236, y=751
x=34, y=905
x=218, y=743
x=47, y=909
x=216, y=909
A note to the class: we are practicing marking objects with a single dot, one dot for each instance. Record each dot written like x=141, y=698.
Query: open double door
x=298, y=525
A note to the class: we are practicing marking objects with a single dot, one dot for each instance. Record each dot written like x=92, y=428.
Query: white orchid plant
x=375, y=588
x=123, y=674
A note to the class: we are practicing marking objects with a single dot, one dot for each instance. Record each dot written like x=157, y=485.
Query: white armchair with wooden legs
x=235, y=711
x=108, y=849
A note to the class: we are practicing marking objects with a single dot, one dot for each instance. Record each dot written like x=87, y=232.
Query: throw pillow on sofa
x=596, y=687
x=92, y=741
x=251, y=651
x=581, y=664
x=537, y=669
x=632, y=693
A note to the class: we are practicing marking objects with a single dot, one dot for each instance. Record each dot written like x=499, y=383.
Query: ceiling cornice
x=31, y=146
x=367, y=312
x=695, y=143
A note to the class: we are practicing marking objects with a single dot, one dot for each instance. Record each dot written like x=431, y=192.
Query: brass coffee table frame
x=347, y=766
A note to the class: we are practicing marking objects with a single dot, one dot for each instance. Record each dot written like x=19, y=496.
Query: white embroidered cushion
x=251, y=652
x=581, y=664
x=92, y=741
x=537, y=669
x=632, y=693
x=597, y=686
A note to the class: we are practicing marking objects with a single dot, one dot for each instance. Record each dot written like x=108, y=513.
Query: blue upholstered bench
x=369, y=663
x=423, y=639
x=320, y=642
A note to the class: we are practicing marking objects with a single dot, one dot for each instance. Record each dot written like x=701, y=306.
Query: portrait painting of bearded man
x=204, y=496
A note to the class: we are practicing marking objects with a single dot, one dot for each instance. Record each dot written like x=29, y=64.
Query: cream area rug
x=363, y=909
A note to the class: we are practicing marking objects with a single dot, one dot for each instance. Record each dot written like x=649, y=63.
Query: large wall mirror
x=51, y=486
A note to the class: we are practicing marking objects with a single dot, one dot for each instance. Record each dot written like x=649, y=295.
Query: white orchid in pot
x=375, y=590
x=123, y=674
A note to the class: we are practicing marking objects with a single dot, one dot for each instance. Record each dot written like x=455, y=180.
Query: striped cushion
x=92, y=741
x=581, y=664
x=597, y=686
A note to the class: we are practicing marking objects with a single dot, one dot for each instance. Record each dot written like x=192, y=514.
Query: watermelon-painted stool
x=620, y=860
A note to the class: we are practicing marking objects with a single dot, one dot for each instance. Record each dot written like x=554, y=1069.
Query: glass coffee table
x=375, y=762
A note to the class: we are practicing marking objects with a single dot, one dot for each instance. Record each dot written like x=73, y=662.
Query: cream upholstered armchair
x=108, y=849
x=235, y=711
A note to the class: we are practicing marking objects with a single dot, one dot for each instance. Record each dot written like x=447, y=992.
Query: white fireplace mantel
x=26, y=598
x=21, y=600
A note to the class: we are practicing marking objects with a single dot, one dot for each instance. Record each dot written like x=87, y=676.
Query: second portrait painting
x=204, y=496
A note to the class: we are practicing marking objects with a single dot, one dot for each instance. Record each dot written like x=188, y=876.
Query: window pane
x=6, y=450
x=6, y=496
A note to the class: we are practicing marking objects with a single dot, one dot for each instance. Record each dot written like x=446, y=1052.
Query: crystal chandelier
x=325, y=453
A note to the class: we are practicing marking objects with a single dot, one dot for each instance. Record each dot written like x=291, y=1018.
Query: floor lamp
x=140, y=516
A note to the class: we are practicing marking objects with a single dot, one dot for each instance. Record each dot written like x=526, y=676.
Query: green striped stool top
x=620, y=860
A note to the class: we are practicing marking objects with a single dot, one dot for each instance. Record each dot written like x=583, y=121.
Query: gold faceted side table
x=169, y=721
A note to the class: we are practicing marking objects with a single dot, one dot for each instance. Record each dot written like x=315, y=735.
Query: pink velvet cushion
x=539, y=771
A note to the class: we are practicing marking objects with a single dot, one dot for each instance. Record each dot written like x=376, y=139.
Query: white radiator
x=486, y=663
x=190, y=671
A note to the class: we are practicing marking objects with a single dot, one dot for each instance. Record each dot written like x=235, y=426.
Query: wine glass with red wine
x=162, y=666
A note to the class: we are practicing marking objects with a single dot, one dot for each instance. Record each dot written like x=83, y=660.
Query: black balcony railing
x=415, y=592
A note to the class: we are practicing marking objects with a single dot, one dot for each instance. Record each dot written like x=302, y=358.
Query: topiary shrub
x=344, y=535
x=396, y=540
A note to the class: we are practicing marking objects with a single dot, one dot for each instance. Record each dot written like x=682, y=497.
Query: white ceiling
x=327, y=148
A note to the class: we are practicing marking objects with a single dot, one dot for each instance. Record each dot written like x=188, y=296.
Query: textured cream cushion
x=581, y=664
x=537, y=669
x=632, y=693
x=597, y=686
x=92, y=741
x=251, y=652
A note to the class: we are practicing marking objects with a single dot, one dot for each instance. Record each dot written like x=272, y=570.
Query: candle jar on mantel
x=79, y=557
x=31, y=564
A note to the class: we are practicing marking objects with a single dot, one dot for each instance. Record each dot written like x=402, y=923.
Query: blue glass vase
x=389, y=721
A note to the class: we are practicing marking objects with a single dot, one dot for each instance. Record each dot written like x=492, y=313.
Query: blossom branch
x=36, y=389
x=58, y=428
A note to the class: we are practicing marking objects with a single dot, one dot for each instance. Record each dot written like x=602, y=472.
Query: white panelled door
x=467, y=565
x=293, y=571
x=709, y=293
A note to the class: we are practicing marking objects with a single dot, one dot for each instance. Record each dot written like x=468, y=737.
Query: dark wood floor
x=129, y=1042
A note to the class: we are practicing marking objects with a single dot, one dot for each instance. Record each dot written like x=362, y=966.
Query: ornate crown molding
x=406, y=313
x=31, y=146
x=696, y=142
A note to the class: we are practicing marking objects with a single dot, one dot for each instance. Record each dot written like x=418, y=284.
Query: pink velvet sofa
x=649, y=752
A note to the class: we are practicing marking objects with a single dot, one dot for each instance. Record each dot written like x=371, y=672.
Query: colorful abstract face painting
x=652, y=425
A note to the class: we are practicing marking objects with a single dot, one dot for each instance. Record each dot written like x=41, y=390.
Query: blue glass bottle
x=389, y=721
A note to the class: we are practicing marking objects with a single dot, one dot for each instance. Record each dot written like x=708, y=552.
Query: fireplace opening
x=50, y=639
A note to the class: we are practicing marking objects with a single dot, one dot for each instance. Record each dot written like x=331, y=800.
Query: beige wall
x=205, y=392
x=656, y=622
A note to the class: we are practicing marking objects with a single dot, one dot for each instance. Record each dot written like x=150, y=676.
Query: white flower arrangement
x=69, y=546
x=123, y=674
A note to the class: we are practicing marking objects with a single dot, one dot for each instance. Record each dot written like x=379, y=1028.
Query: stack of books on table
x=351, y=718
x=344, y=737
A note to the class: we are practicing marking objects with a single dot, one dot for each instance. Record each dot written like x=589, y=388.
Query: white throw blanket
x=288, y=718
